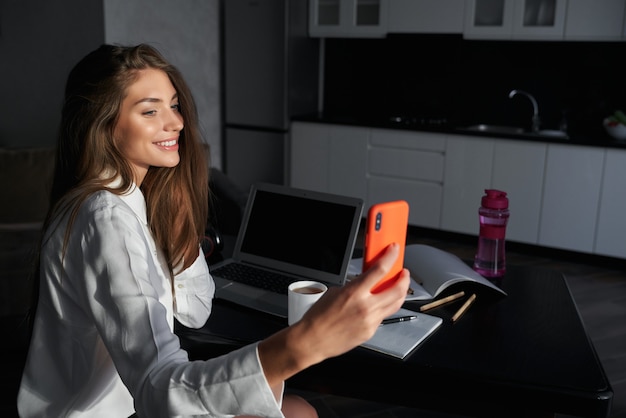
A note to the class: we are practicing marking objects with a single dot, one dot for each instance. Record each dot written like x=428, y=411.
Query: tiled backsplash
x=469, y=81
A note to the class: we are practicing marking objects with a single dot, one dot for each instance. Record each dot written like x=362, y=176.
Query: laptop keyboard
x=256, y=277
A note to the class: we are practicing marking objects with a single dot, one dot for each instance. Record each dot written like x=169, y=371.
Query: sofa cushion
x=18, y=252
x=26, y=176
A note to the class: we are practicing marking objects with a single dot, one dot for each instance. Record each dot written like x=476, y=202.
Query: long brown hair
x=88, y=159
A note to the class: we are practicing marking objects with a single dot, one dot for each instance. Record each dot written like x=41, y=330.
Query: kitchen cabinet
x=329, y=158
x=563, y=196
x=474, y=164
x=348, y=161
x=569, y=209
x=410, y=166
x=515, y=19
x=599, y=21
x=518, y=169
x=309, y=156
x=348, y=18
x=467, y=175
x=375, y=165
x=426, y=16
x=611, y=230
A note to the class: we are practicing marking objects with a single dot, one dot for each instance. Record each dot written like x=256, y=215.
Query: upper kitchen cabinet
x=515, y=19
x=595, y=21
x=348, y=18
x=426, y=16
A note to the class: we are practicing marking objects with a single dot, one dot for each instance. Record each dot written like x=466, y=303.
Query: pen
x=398, y=319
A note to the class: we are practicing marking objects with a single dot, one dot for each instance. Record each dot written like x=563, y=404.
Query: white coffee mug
x=301, y=296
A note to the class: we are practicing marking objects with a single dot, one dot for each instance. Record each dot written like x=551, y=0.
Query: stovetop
x=416, y=121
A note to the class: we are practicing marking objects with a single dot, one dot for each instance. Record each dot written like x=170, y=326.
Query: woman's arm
x=127, y=295
x=329, y=328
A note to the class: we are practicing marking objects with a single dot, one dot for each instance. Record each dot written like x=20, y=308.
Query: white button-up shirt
x=103, y=343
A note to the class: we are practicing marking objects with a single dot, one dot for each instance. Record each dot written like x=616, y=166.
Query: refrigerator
x=270, y=73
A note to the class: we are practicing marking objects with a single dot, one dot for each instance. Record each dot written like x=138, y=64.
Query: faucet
x=535, y=120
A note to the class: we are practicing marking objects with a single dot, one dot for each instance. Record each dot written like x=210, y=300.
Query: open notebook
x=292, y=233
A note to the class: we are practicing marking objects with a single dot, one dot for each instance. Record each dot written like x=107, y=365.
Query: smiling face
x=149, y=123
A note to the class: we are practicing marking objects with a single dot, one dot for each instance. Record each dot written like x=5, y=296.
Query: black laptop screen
x=300, y=231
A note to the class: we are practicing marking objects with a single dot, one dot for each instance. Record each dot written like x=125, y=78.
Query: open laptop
x=301, y=234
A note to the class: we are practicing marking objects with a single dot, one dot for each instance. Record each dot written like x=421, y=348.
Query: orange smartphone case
x=387, y=223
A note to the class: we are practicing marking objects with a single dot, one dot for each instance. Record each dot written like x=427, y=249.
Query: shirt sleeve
x=193, y=291
x=113, y=258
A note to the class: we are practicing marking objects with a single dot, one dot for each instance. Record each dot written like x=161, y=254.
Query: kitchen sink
x=553, y=133
x=515, y=130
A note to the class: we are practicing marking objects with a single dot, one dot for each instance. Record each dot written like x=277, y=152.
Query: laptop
x=293, y=233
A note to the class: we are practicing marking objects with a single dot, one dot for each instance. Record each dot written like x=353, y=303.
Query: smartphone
x=387, y=222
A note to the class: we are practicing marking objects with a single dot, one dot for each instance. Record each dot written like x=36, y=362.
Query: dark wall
x=40, y=41
x=469, y=81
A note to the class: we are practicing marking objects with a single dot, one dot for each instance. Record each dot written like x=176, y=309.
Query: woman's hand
x=342, y=319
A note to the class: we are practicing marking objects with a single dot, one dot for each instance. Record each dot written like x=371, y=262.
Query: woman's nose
x=175, y=121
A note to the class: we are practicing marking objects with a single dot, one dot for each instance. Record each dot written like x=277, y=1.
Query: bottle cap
x=495, y=199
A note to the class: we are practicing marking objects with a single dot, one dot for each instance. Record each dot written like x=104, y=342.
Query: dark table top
x=527, y=351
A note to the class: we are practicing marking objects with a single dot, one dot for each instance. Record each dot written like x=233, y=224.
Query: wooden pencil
x=440, y=302
x=464, y=308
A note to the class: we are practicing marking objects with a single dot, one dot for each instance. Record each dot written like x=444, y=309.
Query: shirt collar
x=135, y=200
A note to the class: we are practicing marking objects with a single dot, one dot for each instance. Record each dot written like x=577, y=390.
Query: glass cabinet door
x=539, y=19
x=488, y=19
x=327, y=13
x=515, y=19
x=367, y=13
x=348, y=18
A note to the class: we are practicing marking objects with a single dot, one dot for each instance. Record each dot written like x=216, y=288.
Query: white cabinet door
x=518, y=169
x=488, y=19
x=424, y=198
x=426, y=16
x=466, y=176
x=348, y=161
x=539, y=19
x=329, y=158
x=571, y=196
x=515, y=19
x=309, y=151
x=611, y=231
x=408, y=165
x=348, y=18
x=598, y=21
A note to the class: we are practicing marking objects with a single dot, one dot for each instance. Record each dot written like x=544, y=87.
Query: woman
x=120, y=259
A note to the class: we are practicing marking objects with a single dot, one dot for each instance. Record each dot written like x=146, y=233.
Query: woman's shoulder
x=104, y=203
x=104, y=199
x=100, y=211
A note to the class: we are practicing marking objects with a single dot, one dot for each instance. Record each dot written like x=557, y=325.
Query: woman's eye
x=149, y=112
x=176, y=107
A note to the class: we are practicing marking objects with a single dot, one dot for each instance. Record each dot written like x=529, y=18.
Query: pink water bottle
x=490, y=260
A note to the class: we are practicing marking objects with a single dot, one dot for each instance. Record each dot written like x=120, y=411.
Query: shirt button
x=180, y=286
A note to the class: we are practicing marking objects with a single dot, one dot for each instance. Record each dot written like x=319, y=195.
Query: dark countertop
x=442, y=125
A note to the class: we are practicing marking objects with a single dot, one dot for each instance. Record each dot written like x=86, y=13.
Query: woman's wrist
x=287, y=352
